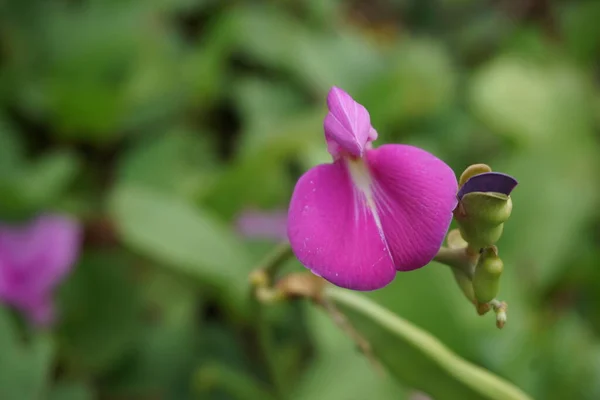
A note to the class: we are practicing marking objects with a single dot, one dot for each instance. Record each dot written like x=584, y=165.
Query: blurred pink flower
x=372, y=212
x=268, y=225
x=34, y=259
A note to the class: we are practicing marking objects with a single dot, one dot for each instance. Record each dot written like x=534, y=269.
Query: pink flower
x=256, y=224
x=372, y=212
x=34, y=258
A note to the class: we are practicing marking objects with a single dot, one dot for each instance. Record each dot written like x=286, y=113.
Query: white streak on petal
x=364, y=184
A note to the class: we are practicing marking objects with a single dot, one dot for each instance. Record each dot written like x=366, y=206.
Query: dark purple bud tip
x=496, y=182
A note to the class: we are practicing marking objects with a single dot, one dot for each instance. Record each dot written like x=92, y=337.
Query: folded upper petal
x=347, y=125
x=415, y=193
x=488, y=182
x=333, y=231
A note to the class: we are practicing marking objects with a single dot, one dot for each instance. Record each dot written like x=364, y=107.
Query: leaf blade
x=433, y=368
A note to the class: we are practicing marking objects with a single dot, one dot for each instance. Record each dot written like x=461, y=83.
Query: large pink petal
x=334, y=234
x=347, y=125
x=415, y=193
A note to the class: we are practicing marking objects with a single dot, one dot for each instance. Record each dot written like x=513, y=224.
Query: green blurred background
x=158, y=122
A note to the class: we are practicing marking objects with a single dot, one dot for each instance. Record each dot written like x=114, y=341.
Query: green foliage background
x=158, y=121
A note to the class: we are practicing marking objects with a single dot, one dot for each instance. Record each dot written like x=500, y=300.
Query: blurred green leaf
x=338, y=370
x=101, y=312
x=71, y=391
x=265, y=108
x=531, y=102
x=258, y=178
x=581, y=30
x=25, y=364
x=417, y=358
x=34, y=188
x=178, y=162
x=49, y=177
x=419, y=82
x=236, y=384
x=185, y=238
x=204, y=68
x=548, y=219
x=568, y=339
x=11, y=149
x=320, y=59
x=83, y=83
x=163, y=359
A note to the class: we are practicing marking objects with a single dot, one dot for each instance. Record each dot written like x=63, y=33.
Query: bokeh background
x=159, y=122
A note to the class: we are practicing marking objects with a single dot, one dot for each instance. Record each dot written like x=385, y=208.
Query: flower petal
x=415, y=193
x=35, y=257
x=42, y=312
x=488, y=182
x=333, y=232
x=256, y=224
x=347, y=125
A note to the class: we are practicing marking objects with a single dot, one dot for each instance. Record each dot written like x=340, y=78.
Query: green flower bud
x=484, y=205
x=486, y=279
x=465, y=284
x=481, y=217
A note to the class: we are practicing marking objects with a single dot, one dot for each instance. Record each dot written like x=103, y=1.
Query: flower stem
x=269, y=267
x=261, y=280
x=463, y=261
x=458, y=258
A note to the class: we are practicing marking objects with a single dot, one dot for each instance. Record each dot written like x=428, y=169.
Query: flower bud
x=484, y=206
x=465, y=284
x=486, y=279
x=481, y=218
x=471, y=171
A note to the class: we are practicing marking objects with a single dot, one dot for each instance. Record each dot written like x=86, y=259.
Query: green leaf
x=319, y=58
x=49, y=177
x=24, y=366
x=551, y=210
x=532, y=102
x=185, y=238
x=336, y=360
x=32, y=189
x=419, y=82
x=177, y=162
x=265, y=107
x=236, y=384
x=259, y=177
x=166, y=351
x=100, y=311
x=71, y=391
x=11, y=150
x=415, y=357
x=580, y=29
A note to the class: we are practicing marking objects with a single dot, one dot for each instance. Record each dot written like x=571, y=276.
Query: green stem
x=262, y=279
x=270, y=266
x=267, y=349
x=458, y=258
